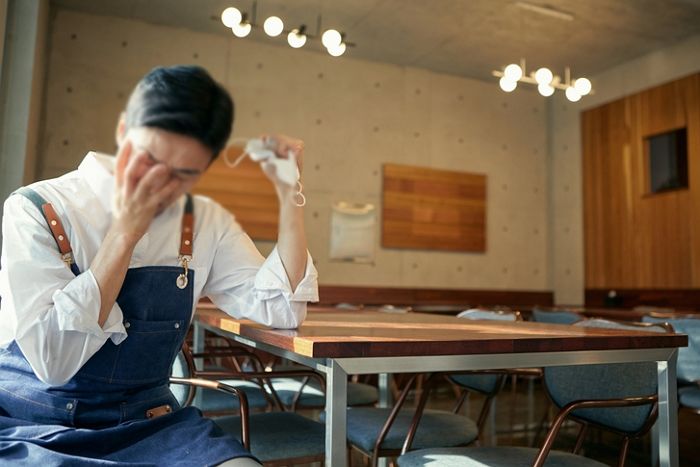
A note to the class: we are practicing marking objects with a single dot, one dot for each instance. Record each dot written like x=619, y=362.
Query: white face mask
x=263, y=151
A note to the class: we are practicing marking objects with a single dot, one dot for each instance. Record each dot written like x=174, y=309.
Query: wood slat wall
x=634, y=239
x=245, y=191
x=433, y=209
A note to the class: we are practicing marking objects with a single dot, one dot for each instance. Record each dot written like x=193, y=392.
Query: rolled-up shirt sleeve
x=245, y=285
x=51, y=313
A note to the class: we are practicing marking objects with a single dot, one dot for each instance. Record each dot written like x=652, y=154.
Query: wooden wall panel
x=433, y=209
x=692, y=96
x=246, y=192
x=634, y=239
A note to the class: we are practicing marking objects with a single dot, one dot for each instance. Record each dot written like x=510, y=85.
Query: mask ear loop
x=238, y=160
x=299, y=198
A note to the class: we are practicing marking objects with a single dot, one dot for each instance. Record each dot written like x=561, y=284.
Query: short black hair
x=183, y=99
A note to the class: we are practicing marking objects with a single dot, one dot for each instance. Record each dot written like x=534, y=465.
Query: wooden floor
x=518, y=427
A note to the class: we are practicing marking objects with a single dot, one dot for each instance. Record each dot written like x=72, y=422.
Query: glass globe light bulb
x=331, y=38
x=545, y=89
x=295, y=39
x=273, y=26
x=544, y=76
x=241, y=29
x=583, y=86
x=572, y=94
x=231, y=16
x=338, y=50
x=506, y=84
x=513, y=72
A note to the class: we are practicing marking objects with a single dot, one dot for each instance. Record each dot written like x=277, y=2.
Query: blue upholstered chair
x=689, y=398
x=275, y=438
x=555, y=316
x=310, y=393
x=688, y=366
x=382, y=432
x=485, y=383
x=618, y=397
x=213, y=403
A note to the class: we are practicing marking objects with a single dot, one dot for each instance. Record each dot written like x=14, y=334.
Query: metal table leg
x=386, y=400
x=668, y=412
x=336, y=415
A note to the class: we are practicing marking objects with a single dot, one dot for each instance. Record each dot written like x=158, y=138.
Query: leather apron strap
x=55, y=225
x=59, y=233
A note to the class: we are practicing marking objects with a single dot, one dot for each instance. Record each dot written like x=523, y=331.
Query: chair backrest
x=481, y=382
x=349, y=306
x=566, y=384
x=688, y=366
x=490, y=315
x=560, y=316
x=394, y=309
x=181, y=369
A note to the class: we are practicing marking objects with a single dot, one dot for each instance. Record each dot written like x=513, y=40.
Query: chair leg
x=623, y=451
x=460, y=402
x=541, y=427
x=513, y=405
x=581, y=438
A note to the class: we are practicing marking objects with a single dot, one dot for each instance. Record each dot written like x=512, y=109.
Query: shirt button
x=69, y=406
x=127, y=324
x=177, y=325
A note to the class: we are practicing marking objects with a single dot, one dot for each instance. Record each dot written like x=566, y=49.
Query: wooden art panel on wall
x=245, y=191
x=432, y=209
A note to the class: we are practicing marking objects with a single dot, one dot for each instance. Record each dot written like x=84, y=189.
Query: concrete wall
x=3, y=26
x=354, y=115
x=25, y=27
x=566, y=184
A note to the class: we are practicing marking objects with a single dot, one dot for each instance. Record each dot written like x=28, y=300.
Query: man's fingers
x=165, y=195
x=122, y=159
x=135, y=170
x=155, y=178
x=295, y=146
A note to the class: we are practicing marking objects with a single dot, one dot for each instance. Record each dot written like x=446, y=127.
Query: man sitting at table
x=101, y=272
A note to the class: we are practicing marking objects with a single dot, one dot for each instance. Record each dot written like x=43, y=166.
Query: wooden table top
x=338, y=334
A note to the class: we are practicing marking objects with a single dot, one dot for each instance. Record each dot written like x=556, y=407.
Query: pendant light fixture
x=333, y=40
x=546, y=81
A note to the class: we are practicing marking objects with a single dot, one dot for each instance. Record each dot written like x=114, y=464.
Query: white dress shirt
x=53, y=314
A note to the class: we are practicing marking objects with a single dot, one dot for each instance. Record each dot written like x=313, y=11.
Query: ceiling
x=461, y=37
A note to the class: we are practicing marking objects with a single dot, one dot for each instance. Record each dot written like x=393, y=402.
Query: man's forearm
x=109, y=268
x=291, y=240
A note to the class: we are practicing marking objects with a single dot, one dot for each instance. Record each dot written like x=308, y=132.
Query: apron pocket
x=145, y=356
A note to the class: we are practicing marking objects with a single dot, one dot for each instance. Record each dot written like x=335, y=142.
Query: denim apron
x=118, y=409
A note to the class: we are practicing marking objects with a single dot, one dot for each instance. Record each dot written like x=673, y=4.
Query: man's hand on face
x=142, y=188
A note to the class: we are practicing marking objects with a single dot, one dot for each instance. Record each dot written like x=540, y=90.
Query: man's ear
x=120, y=131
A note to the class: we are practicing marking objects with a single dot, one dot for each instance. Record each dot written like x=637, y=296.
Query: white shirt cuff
x=74, y=316
x=272, y=281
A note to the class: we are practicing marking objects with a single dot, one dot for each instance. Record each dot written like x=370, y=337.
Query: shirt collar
x=97, y=170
